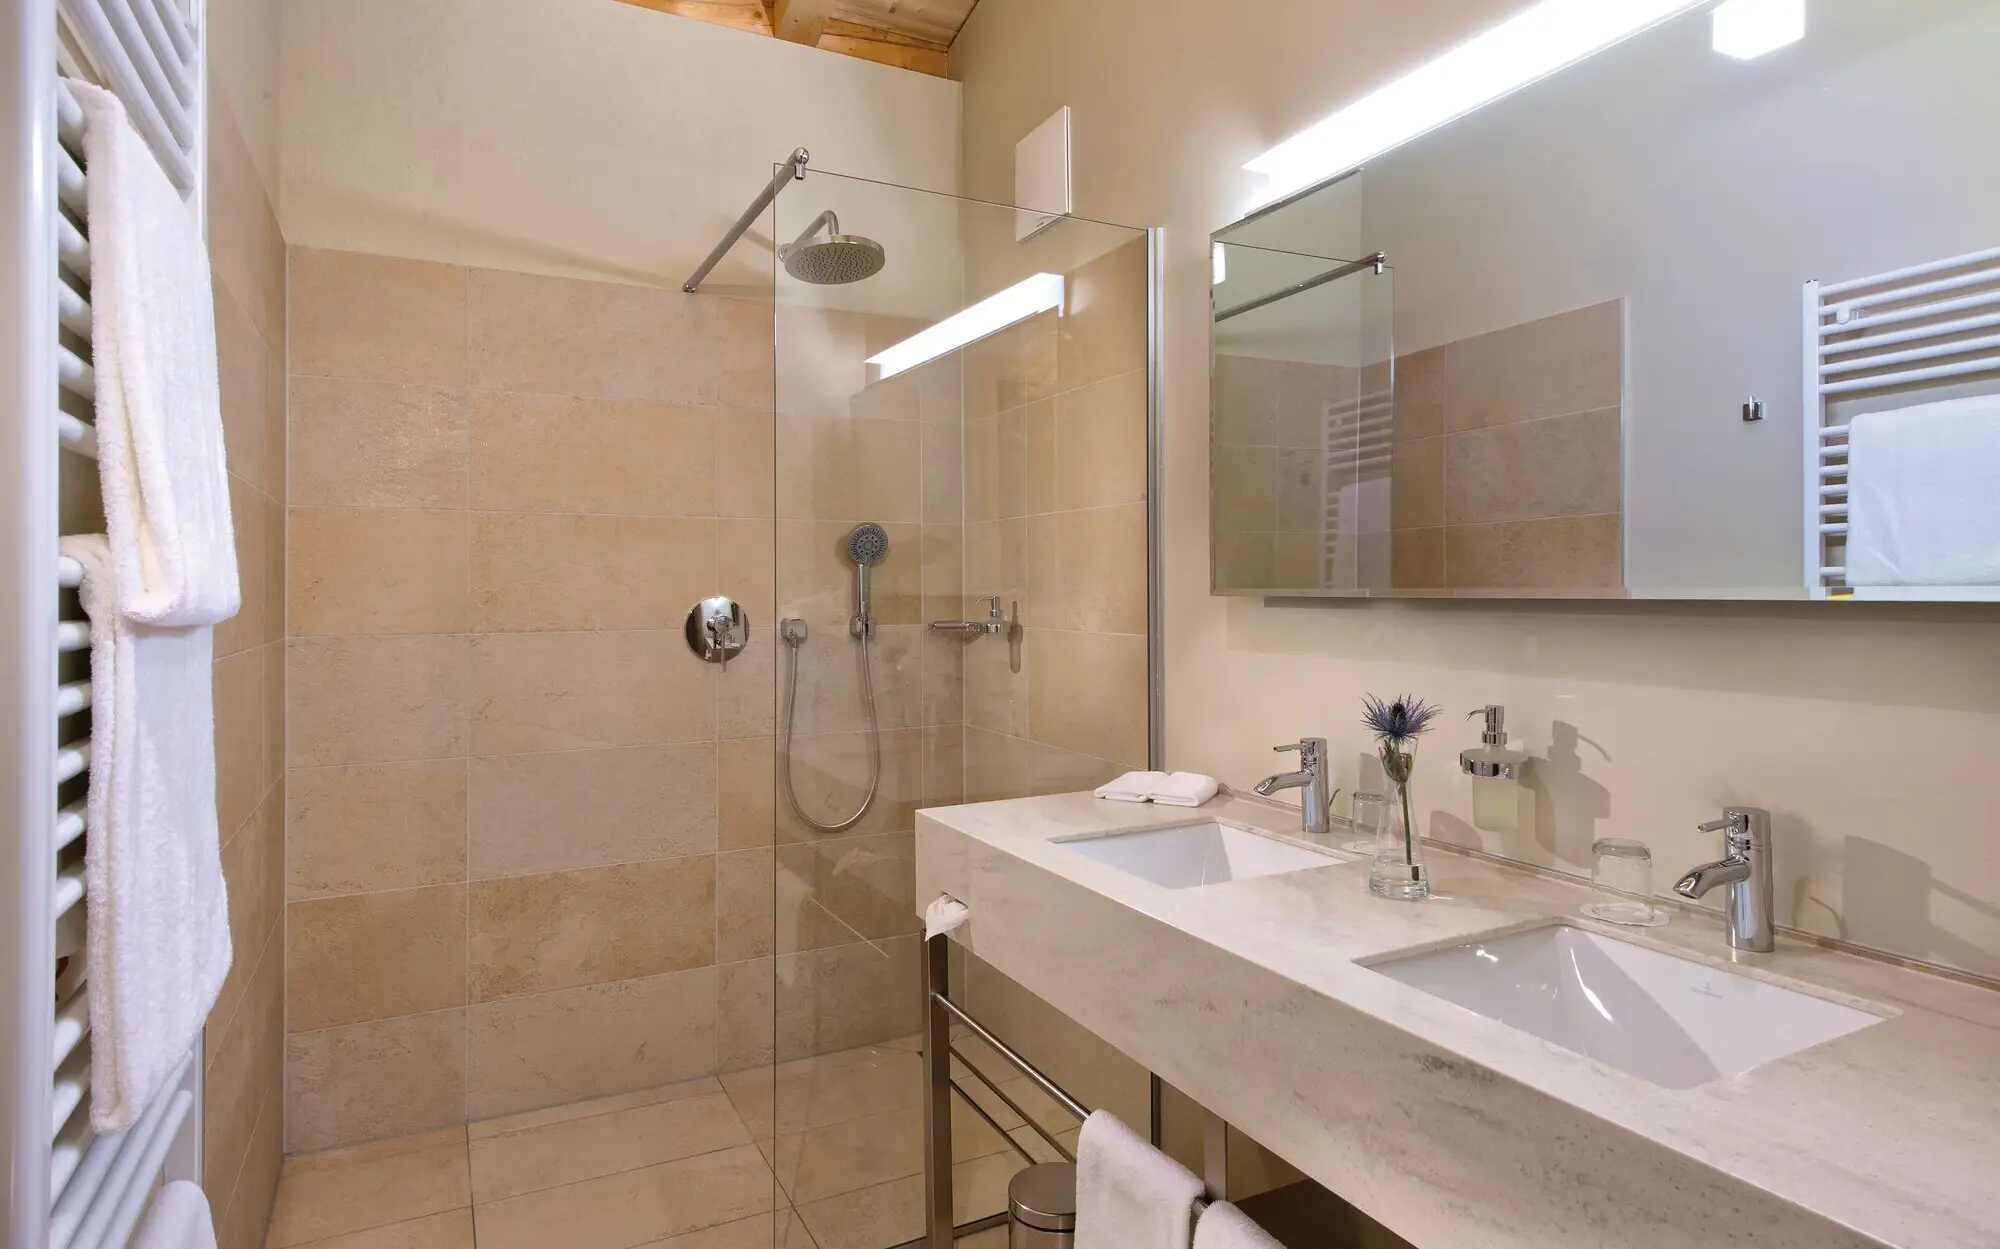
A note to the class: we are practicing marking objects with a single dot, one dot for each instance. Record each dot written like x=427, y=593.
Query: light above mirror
x=1748, y=29
x=1533, y=45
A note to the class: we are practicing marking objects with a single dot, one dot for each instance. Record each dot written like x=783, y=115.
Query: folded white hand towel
x=1922, y=509
x=160, y=454
x=1128, y=1194
x=158, y=943
x=1185, y=789
x=944, y=914
x=1131, y=787
x=179, y=1219
x=1223, y=1226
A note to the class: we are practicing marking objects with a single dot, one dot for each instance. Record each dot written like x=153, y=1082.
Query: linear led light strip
x=1538, y=42
x=989, y=316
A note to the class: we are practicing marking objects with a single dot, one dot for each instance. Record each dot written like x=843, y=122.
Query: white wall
x=243, y=50
x=1869, y=731
x=586, y=138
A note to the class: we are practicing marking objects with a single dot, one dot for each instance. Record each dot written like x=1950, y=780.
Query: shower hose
x=874, y=743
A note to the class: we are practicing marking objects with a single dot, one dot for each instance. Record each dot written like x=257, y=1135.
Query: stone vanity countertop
x=1887, y=1136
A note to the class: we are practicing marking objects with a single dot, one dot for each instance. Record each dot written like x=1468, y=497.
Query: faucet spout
x=1283, y=780
x=1700, y=880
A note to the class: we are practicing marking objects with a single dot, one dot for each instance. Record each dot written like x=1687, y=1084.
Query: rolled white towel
x=1185, y=789
x=944, y=914
x=1131, y=787
x=1223, y=1226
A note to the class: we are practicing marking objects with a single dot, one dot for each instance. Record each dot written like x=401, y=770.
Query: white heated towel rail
x=1888, y=336
x=69, y=1188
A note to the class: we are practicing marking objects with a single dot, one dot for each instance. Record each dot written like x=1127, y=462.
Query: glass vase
x=1398, y=872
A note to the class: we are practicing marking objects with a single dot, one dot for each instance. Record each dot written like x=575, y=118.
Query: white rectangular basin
x=1204, y=853
x=1674, y=1021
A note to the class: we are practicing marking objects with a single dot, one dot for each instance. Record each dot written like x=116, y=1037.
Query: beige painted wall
x=581, y=138
x=243, y=63
x=1869, y=732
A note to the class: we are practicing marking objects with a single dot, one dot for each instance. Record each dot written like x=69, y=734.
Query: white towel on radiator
x=1922, y=507
x=1128, y=1194
x=180, y=1219
x=1223, y=1226
x=158, y=944
x=160, y=454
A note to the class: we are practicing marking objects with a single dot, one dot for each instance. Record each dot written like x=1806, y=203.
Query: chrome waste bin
x=1041, y=1207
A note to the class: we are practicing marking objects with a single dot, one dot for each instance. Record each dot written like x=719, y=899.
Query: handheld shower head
x=834, y=261
x=867, y=545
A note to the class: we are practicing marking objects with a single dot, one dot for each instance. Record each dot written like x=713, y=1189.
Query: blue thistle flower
x=1398, y=722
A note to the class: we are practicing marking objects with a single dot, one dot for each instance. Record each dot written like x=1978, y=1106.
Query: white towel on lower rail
x=1223, y=1226
x=1128, y=1194
x=158, y=944
x=180, y=1219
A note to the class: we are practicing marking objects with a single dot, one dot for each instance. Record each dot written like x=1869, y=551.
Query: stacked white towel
x=180, y=1219
x=1173, y=789
x=1223, y=1226
x=1921, y=507
x=1128, y=1194
x=153, y=586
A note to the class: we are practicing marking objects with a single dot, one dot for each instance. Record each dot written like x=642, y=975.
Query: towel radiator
x=67, y=1188
x=1888, y=336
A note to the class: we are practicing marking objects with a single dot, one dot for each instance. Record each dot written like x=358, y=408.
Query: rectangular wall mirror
x=1693, y=318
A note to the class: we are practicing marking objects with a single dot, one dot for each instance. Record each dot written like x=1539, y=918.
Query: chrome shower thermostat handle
x=717, y=630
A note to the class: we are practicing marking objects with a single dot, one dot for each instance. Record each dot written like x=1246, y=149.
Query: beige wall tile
x=1050, y=770
x=838, y=998
x=744, y=918
x=1531, y=470
x=502, y=1125
x=567, y=337
x=1244, y=489
x=942, y=383
x=358, y=829
x=253, y=870
x=1417, y=559
x=744, y=351
x=830, y=777
x=996, y=696
x=573, y=691
x=744, y=1017
x=840, y=890
x=375, y=956
x=1416, y=483
x=1101, y=558
x=244, y=1063
x=238, y=692
x=378, y=570
x=611, y=806
x=276, y=416
x=821, y=360
x=532, y=1160
x=323, y=1195
x=830, y=698
x=449, y=1229
x=1310, y=398
x=551, y=453
x=1420, y=388
x=274, y=712
x=944, y=765
x=981, y=453
x=746, y=462
x=537, y=1051
x=245, y=248
x=243, y=363
x=746, y=792
x=249, y=520
x=1572, y=362
x=1024, y=451
x=1011, y=368
x=377, y=317
x=1104, y=324
x=376, y=699
x=376, y=1080
x=631, y=1207
x=816, y=577
x=536, y=934
x=543, y=572
x=898, y=398
x=1101, y=443
x=1573, y=553
x=943, y=448
x=844, y=469
x=746, y=692
x=377, y=444
x=1303, y=487
x=1088, y=694
x=1243, y=400
x=746, y=567
x=246, y=1212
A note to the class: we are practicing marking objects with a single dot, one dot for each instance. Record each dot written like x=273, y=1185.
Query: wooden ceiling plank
x=932, y=21
x=920, y=58
x=746, y=15
x=800, y=21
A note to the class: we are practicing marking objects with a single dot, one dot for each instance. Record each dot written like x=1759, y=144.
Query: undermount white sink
x=1204, y=853
x=1674, y=1021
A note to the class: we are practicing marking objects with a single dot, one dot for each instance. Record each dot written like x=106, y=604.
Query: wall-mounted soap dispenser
x=1496, y=773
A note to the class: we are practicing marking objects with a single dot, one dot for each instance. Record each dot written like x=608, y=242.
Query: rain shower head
x=835, y=260
x=867, y=544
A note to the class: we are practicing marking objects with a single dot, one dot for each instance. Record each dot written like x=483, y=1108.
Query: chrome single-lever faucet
x=1745, y=867
x=1316, y=798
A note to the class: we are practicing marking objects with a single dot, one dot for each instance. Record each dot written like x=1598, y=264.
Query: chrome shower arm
x=826, y=219
x=793, y=167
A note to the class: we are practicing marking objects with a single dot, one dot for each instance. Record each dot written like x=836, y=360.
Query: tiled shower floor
x=828, y=1155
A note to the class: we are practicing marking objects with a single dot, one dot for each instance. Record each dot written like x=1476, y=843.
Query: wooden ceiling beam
x=800, y=21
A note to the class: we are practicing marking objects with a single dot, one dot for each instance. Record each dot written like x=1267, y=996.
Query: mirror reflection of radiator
x=1892, y=340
